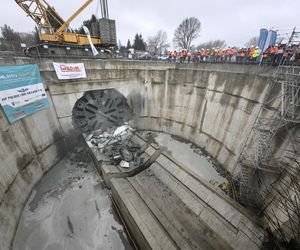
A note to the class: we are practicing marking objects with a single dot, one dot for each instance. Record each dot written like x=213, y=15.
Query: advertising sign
x=22, y=92
x=69, y=70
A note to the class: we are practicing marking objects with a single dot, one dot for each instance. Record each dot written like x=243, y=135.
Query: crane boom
x=52, y=26
x=45, y=16
x=71, y=18
x=56, y=39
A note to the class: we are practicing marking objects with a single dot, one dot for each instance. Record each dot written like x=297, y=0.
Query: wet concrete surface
x=70, y=209
x=190, y=156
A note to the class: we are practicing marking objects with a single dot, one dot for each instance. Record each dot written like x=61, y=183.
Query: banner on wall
x=69, y=70
x=22, y=92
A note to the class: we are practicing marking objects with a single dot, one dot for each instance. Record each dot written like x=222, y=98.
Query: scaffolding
x=283, y=200
x=268, y=178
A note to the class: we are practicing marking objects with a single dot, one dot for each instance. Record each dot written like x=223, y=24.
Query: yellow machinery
x=53, y=29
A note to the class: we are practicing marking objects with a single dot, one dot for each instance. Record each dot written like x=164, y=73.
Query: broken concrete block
x=124, y=164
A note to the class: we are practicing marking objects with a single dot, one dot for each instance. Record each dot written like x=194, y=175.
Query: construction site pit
x=71, y=207
x=147, y=155
x=121, y=188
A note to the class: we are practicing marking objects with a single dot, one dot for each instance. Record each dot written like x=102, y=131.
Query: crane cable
x=97, y=10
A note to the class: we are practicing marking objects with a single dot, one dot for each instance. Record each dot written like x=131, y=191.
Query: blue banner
x=263, y=34
x=22, y=92
x=273, y=38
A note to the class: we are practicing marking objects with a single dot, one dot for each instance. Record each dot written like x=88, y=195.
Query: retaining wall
x=212, y=105
x=28, y=149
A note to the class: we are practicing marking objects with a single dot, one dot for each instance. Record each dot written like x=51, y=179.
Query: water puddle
x=190, y=156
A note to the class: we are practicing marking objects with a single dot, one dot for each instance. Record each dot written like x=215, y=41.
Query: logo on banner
x=66, y=68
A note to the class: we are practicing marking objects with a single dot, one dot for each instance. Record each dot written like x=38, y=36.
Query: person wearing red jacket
x=183, y=55
x=174, y=55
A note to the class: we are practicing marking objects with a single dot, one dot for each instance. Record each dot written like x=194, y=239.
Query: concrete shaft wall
x=212, y=105
x=28, y=148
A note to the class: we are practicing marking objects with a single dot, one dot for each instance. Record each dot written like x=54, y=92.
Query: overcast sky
x=235, y=21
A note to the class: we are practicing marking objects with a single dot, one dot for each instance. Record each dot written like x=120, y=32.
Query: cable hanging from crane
x=104, y=9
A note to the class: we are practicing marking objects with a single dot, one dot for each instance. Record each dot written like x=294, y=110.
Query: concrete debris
x=126, y=154
x=116, y=145
x=123, y=132
x=124, y=164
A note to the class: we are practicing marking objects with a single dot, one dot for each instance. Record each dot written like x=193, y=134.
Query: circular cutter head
x=100, y=109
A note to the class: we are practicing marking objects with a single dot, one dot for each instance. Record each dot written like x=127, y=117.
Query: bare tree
x=252, y=42
x=186, y=32
x=212, y=44
x=158, y=43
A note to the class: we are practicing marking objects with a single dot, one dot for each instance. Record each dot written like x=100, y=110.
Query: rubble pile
x=116, y=145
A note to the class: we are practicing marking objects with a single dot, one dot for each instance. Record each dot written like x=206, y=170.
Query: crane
x=53, y=30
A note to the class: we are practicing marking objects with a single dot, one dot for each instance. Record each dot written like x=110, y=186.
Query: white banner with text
x=69, y=70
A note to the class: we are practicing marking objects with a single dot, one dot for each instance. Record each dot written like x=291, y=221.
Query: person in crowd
x=170, y=56
x=250, y=53
x=206, y=55
x=213, y=55
x=265, y=55
x=195, y=56
x=228, y=54
x=174, y=55
x=222, y=55
x=202, y=54
x=273, y=52
x=273, y=55
x=293, y=56
x=256, y=53
x=241, y=54
x=199, y=56
x=216, y=54
x=189, y=56
x=233, y=54
x=180, y=56
x=279, y=54
x=184, y=55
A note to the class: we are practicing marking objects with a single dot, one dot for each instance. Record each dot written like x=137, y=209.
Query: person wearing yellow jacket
x=256, y=53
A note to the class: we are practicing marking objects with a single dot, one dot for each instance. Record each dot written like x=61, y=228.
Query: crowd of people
x=272, y=55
